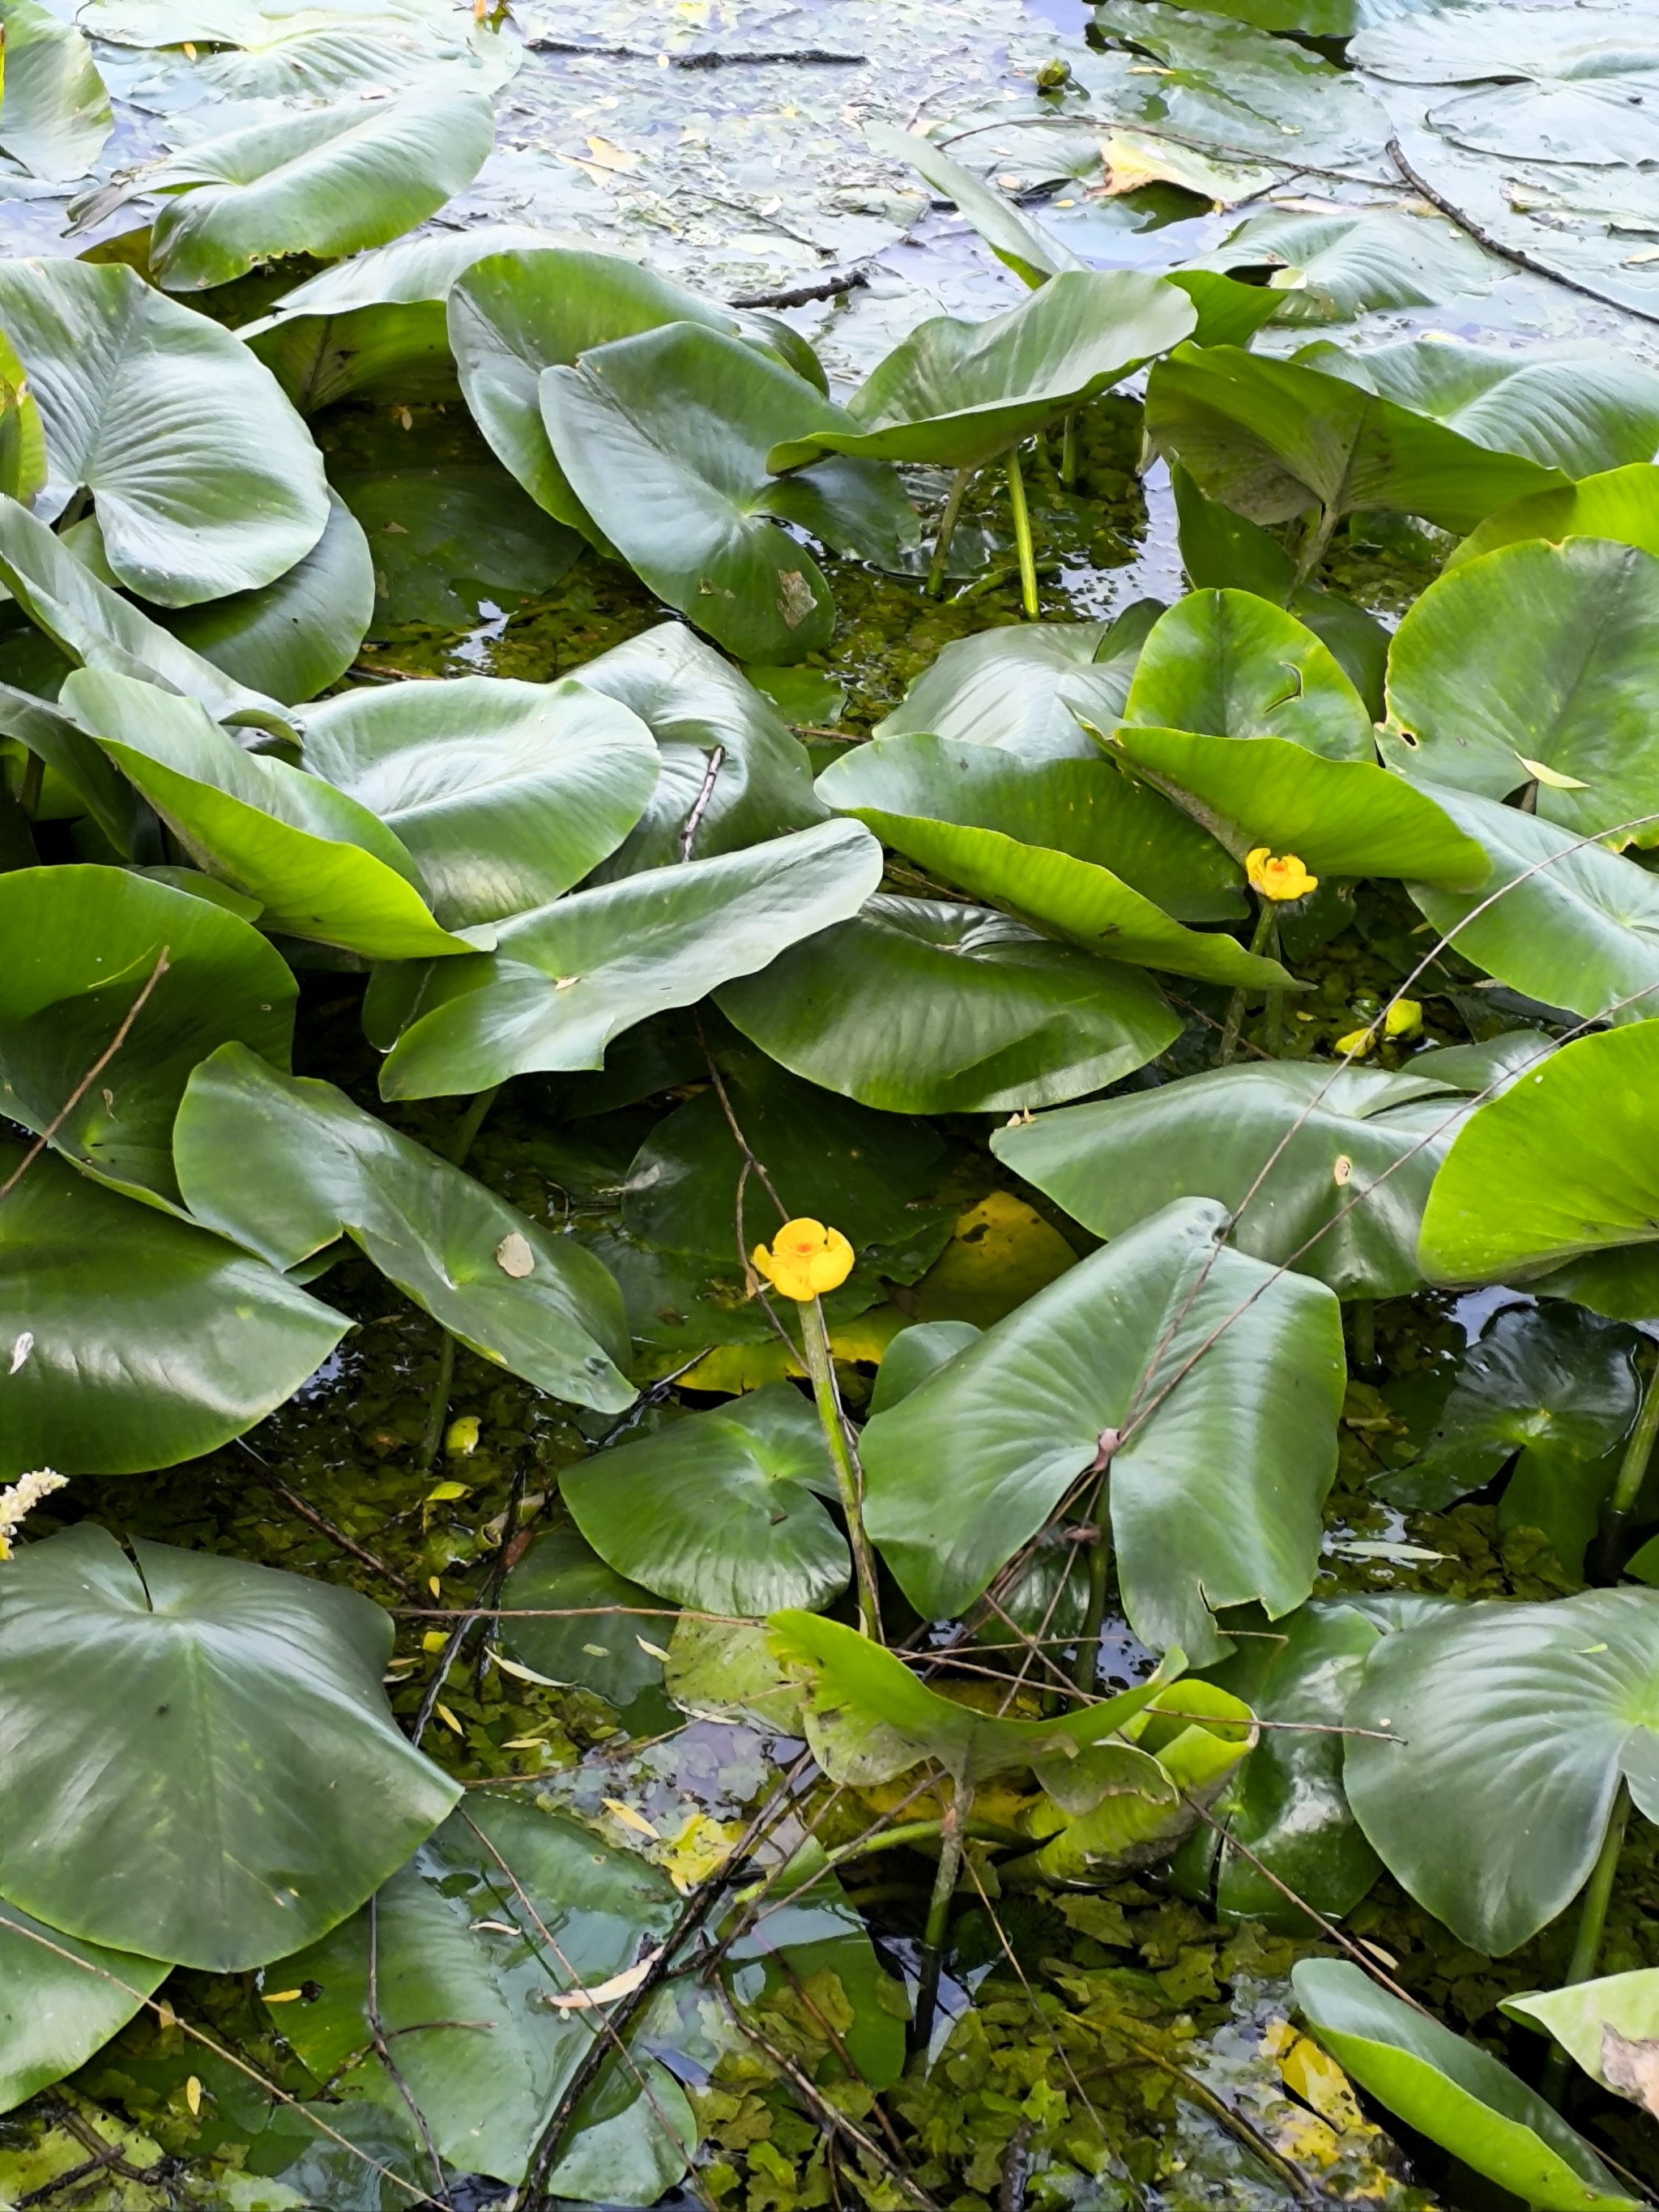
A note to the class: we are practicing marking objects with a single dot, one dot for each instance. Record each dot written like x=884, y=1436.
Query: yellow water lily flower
x=806, y=1259
x=1357, y=1043
x=1277, y=875
x=1403, y=1018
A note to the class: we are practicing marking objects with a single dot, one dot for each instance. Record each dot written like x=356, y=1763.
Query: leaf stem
x=1633, y=1472
x=1587, y=1944
x=437, y=1405
x=1265, y=940
x=1085, y=1671
x=952, y=1833
x=816, y=1343
x=1363, y=1313
x=947, y=530
x=1068, y=451
x=1022, y=514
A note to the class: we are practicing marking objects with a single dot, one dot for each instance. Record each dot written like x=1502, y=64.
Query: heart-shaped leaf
x=1329, y=268
x=479, y=1943
x=697, y=706
x=285, y=1166
x=446, y=540
x=919, y=1007
x=84, y=943
x=1229, y=665
x=1035, y=840
x=595, y=1624
x=131, y=1692
x=60, y=2001
x=1565, y=704
x=205, y=479
x=1500, y=1735
x=665, y=439
x=1276, y=439
x=321, y=866
x=959, y=393
x=1324, y=1169
x=57, y=113
x=1557, y=915
x=1620, y=504
x=135, y=1340
x=505, y=793
x=1340, y=817
x=1453, y=2091
x=568, y=978
x=719, y=1511
x=1610, y=2026
x=1232, y=1377
x=327, y=181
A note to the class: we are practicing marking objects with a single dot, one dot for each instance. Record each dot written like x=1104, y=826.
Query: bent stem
x=816, y=1343
x=947, y=530
x=1587, y=1944
x=437, y=1405
x=1022, y=514
x=1631, y=1473
x=953, y=1834
x=1265, y=940
x=1085, y=1668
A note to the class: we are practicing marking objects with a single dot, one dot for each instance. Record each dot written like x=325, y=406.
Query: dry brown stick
x=802, y=296
x=88, y=1078
x=338, y=1537
x=382, y=2052
x=700, y=805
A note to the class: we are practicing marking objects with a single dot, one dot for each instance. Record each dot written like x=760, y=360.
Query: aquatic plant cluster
x=933, y=1191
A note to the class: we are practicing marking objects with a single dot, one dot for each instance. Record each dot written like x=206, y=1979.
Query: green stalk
x=28, y=790
x=1265, y=938
x=1068, y=451
x=1022, y=514
x=947, y=530
x=816, y=1343
x=1632, y=1471
x=1587, y=1944
x=1363, y=1311
x=437, y=1405
x=1085, y=1668
x=951, y=1836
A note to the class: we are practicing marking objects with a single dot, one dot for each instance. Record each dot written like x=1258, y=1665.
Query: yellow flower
x=1403, y=1018
x=805, y=1258
x=1357, y=1043
x=1277, y=876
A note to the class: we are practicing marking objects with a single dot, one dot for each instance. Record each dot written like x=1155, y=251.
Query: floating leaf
x=607, y=1620
x=1231, y=665
x=1329, y=268
x=60, y=2001
x=445, y=541
x=1620, y=504
x=57, y=113
x=1609, y=2027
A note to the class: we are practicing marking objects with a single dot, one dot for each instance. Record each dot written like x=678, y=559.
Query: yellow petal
x=1551, y=778
x=1356, y=1044
x=193, y=2094
x=1403, y=1018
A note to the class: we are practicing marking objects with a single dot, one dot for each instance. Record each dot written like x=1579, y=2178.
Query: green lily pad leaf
x=1620, y=504
x=505, y=793
x=57, y=113
x=328, y=181
x=1453, y=2091
x=1010, y=832
x=377, y=324
x=1339, y=818
x=309, y=56
x=1033, y=253
x=285, y=1166
x=90, y=784
x=1555, y=1390
x=1561, y=1166
x=60, y=2001
x=159, y=1671
x=1326, y=1170
x=84, y=942
x=1609, y=2027
x=320, y=866
x=1579, y=410
x=1556, y=916
x=136, y=1341
x=568, y=978
x=501, y=1914
x=958, y=393
x=872, y=1174
x=607, y=1621
x=294, y=638
x=722, y=1510
x=664, y=438
x=914, y=1354
x=1330, y=268
x=696, y=704
x=919, y=1007
x=1014, y=687
x=445, y=540
x=869, y=1719
x=515, y=313
x=1566, y=704
x=1277, y=439
x=205, y=479
x=1288, y=1808
x=1503, y=1733
x=1215, y=1497
x=719, y=1671
x=1229, y=665
x=96, y=627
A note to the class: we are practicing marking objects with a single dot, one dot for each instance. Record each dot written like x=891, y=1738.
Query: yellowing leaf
x=193, y=2094
x=600, y=1993
x=630, y=1817
x=1551, y=777
x=1000, y=1253
x=433, y=1640
x=1315, y=2076
x=701, y=1846
x=523, y=1673
x=441, y=1492
x=283, y=1997
x=448, y=1719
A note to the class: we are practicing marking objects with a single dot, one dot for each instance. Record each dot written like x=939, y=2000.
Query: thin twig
x=338, y=1536
x=382, y=2052
x=800, y=296
x=700, y=805
x=88, y=1078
